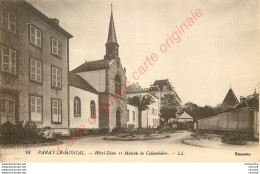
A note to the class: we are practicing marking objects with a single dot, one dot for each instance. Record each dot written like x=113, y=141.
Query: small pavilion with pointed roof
x=230, y=100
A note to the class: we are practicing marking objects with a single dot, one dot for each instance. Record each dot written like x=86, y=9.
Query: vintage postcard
x=129, y=81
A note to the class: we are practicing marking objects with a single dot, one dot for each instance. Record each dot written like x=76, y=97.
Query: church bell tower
x=111, y=45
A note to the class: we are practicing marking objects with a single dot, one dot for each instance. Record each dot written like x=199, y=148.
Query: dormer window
x=164, y=88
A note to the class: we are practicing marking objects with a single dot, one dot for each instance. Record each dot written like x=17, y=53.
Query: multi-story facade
x=150, y=117
x=34, y=64
x=162, y=87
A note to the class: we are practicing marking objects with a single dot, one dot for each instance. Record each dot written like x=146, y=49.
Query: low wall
x=242, y=119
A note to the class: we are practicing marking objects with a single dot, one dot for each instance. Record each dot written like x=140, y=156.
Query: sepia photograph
x=129, y=81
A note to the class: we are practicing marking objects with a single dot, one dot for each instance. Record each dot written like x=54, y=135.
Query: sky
x=221, y=49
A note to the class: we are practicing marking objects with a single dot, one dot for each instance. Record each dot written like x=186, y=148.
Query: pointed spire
x=111, y=45
x=230, y=100
x=112, y=32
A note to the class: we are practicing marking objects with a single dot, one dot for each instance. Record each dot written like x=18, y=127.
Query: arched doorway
x=118, y=118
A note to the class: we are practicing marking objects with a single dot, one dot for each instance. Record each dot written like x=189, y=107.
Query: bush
x=202, y=132
x=234, y=137
x=103, y=131
x=146, y=131
x=7, y=135
x=22, y=133
x=159, y=128
x=131, y=126
x=86, y=132
x=120, y=130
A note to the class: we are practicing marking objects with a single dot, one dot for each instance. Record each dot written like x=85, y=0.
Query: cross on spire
x=112, y=32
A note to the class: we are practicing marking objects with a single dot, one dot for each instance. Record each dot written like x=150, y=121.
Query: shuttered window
x=36, y=108
x=8, y=60
x=56, y=47
x=56, y=111
x=35, y=70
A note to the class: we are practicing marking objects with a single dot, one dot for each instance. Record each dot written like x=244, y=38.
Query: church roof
x=112, y=31
x=162, y=83
x=92, y=66
x=230, y=100
x=77, y=81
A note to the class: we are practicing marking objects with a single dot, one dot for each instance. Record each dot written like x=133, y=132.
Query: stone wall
x=242, y=119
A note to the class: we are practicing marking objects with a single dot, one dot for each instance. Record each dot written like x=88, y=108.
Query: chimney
x=55, y=20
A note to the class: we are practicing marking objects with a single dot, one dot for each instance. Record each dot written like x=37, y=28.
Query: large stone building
x=107, y=77
x=35, y=84
x=34, y=52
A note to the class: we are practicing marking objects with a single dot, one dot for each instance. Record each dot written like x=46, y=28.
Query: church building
x=107, y=77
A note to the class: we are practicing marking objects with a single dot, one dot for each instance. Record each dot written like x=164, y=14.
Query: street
x=88, y=148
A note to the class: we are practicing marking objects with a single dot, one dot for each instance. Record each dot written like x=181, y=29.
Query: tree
x=142, y=103
x=201, y=112
x=169, y=106
x=190, y=108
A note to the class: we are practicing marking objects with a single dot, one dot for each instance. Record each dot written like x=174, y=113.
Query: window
x=92, y=109
x=77, y=106
x=56, y=111
x=133, y=116
x=35, y=36
x=56, y=77
x=7, y=107
x=8, y=21
x=56, y=47
x=127, y=115
x=164, y=88
x=36, y=108
x=118, y=85
x=35, y=70
x=8, y=60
